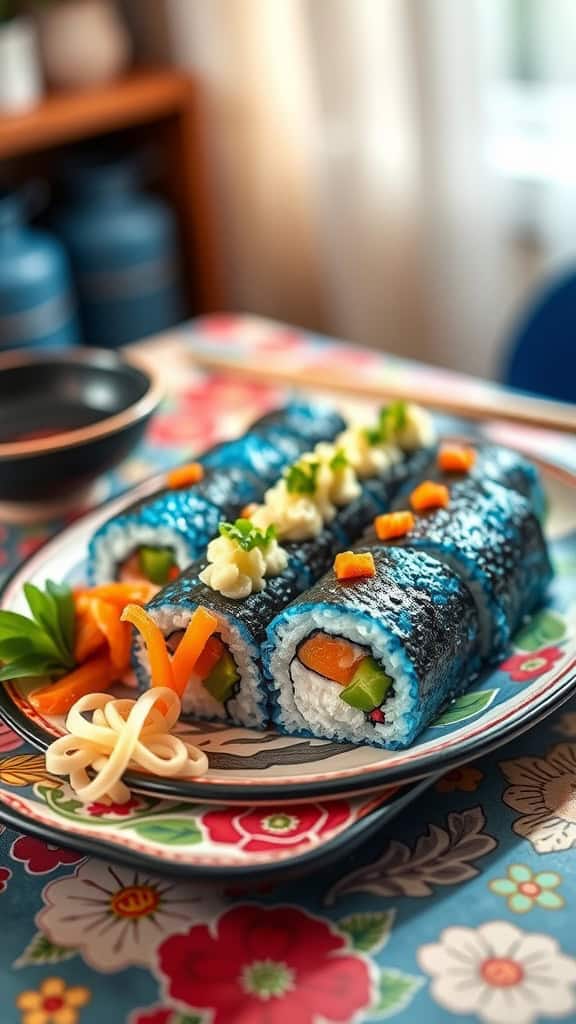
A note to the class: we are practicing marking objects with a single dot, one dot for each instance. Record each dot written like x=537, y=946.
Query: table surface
x=460, y=909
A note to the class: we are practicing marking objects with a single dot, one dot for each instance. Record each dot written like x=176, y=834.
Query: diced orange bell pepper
x=353, y=565
x=185, y=476
x=456, y=458
x=394, y=524
x=429, y=495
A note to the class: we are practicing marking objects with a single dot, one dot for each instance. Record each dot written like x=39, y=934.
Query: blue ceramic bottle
x=123, y=248
x=36, y=302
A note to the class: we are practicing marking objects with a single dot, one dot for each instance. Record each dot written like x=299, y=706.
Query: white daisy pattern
x=117, y=916
x=544, y=790
x=500, y=974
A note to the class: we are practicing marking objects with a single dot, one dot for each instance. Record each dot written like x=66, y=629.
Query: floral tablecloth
x=460, y=909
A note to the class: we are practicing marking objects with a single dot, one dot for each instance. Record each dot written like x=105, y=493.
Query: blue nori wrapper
x=237, y=473
x=494, y=464
x=310, y=420
x=492, y=537
x=266, y=455
x=419, y=612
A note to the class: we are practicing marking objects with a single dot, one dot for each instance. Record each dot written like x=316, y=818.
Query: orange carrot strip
x=394, y=524
x=117, y=633
x=456, y=458
x=429, y=495
x=209, y=657
x=198, y=631
x=94, y=675
x=185, y=476
x=119, y=593
x=88, y=638
x=248, y=510
x=160, y=664
x=353, y=565
x=330, y=656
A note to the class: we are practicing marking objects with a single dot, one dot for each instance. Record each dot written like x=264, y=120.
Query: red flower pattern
x=522, y=668
x=266, y=828
x=39, y=857
x=9, y=740
x=5, y=875
x=155, y=1015
x=101, y=810
x=266, y=966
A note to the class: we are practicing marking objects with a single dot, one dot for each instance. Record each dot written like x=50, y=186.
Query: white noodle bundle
x=122, y=734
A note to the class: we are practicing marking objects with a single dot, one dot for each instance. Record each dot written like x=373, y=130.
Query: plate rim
x=349, y=838
x=247, y=792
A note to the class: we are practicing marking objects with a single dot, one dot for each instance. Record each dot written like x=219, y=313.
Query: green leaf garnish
x=301, y=477
x=246, y=535
x=42, y=645
x=339, y=460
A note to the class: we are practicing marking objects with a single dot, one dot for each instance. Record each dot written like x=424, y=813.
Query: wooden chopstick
x=504, y=406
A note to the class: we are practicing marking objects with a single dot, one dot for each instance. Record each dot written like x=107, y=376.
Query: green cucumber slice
x=155, y=564
x=222, y=679
x=368, y=687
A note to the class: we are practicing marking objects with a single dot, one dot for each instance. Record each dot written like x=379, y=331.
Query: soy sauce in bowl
x=65, y=418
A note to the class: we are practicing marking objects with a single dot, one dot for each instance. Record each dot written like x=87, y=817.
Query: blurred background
x=399, y=173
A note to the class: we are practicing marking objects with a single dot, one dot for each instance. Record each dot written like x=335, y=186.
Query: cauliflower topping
x=240, y=559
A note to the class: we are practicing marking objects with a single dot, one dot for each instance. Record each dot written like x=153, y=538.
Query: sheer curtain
x=348, y=155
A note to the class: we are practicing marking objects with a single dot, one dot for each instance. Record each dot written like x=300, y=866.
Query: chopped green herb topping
x=42, y=645
x=339, y=460
x=391, y=420
x=246, y=535
x=301, y=477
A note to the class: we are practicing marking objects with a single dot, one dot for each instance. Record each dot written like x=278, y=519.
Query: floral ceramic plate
x=188, y=839
x=248, y=767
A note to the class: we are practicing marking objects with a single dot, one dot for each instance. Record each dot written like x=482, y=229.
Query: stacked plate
x=270, y=802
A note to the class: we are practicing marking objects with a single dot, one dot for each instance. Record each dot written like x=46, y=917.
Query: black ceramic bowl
x=66, y=417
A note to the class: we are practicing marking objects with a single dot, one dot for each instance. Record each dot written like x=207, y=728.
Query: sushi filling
x=363, y=683
x=215, y=671
x=154, y=564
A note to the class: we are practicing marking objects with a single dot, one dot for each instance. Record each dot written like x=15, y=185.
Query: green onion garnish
x=246, y=535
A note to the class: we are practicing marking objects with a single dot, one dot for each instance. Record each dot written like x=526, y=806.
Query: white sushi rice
x=245, y=707
x=308, y=701
x=119, y=542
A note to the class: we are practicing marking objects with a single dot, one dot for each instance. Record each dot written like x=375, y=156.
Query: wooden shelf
x=68, y=117
x=168, y=101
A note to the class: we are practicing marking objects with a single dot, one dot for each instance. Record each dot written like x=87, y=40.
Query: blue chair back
x=541, y=356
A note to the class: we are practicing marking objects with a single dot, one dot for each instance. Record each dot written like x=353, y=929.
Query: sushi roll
x=165, y=532
x=373, y=660
x=492, y=464
x=492, y=539
x=227, y=682
x=314, y=421
x=233, y=688
x=265, y=454
x=277, y=439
